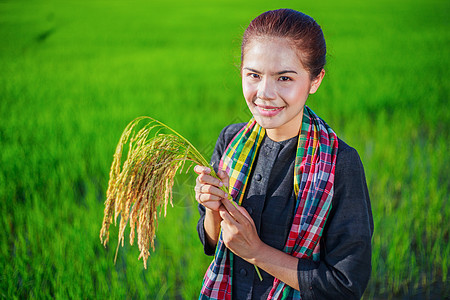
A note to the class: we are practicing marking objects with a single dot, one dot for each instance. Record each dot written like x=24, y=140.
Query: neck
x=287, y=130
x=279, y=137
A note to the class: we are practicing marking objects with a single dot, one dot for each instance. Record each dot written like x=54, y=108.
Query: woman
x=305, y=219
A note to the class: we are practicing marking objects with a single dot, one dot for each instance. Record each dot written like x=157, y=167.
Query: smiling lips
x=268, y=111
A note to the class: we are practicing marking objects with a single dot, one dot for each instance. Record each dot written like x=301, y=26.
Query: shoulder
x=351, y=199
x=350, y=186
x=225, y=136
x=350, y=180
x=348, y=160
x=228, y=132
x=345, y=149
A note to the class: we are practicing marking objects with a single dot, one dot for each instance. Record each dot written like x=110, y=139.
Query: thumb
x=245, y=213
x=224, y=177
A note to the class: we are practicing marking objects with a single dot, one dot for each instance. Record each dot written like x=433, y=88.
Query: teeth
x=269, y=109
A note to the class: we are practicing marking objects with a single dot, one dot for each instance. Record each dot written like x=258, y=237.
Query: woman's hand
x=208, y=193
x=240, y=236
x=239, y=231
x=207, y=188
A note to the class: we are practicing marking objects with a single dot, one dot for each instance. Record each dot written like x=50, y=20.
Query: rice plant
x=140, y=188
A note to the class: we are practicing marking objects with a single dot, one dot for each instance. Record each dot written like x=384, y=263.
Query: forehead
x=271, y=53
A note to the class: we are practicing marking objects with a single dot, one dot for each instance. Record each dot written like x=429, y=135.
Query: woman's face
x=276, y=86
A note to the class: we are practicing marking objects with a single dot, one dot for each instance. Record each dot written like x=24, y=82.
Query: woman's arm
x=345, y=248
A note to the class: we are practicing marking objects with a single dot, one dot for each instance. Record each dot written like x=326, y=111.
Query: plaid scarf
x=313, y=186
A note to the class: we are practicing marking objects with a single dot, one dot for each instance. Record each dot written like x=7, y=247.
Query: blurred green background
x=74, y=73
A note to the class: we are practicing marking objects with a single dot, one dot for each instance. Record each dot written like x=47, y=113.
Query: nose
x=266, y=90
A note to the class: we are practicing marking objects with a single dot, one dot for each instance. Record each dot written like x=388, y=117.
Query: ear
x=315, y=83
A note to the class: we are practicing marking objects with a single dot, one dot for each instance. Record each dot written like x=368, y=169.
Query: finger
x=210, y=189
x=204, y=179
x=203, y=197
x=227, y=231
x=201, y=169
x=199, y=187
x=245, y=213
x=208, y=179
x=226, y=216
x=203, y=188
x=234, y=211
x=224, y=177
x=213, y=205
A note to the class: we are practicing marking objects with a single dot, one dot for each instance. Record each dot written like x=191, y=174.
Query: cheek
x=298, y=93
x=248, y=91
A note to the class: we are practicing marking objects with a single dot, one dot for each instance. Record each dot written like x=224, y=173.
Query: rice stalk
x=142, y=185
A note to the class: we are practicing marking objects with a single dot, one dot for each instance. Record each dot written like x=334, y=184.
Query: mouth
x=268, y=111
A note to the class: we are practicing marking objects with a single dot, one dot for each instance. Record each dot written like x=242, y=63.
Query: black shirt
x=345, y=264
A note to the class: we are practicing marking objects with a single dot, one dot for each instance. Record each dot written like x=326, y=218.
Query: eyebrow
x=277, y=73
x=286, y=71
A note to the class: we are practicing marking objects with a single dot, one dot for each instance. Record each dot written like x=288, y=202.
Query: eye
x=253, y=75
x=284, y=78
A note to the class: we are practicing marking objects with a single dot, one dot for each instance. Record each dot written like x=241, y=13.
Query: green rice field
x=73, y=74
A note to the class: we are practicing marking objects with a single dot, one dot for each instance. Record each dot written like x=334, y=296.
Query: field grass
x=74, y=73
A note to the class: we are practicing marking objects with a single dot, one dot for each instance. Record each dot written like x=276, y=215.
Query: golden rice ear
x=142, y=185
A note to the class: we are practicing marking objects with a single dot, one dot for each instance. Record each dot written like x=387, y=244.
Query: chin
x=266, y=124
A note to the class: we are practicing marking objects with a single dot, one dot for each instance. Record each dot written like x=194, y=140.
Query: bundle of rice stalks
x=141, y=187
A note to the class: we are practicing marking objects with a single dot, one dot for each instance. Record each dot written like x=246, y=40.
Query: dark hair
x=302, y=31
